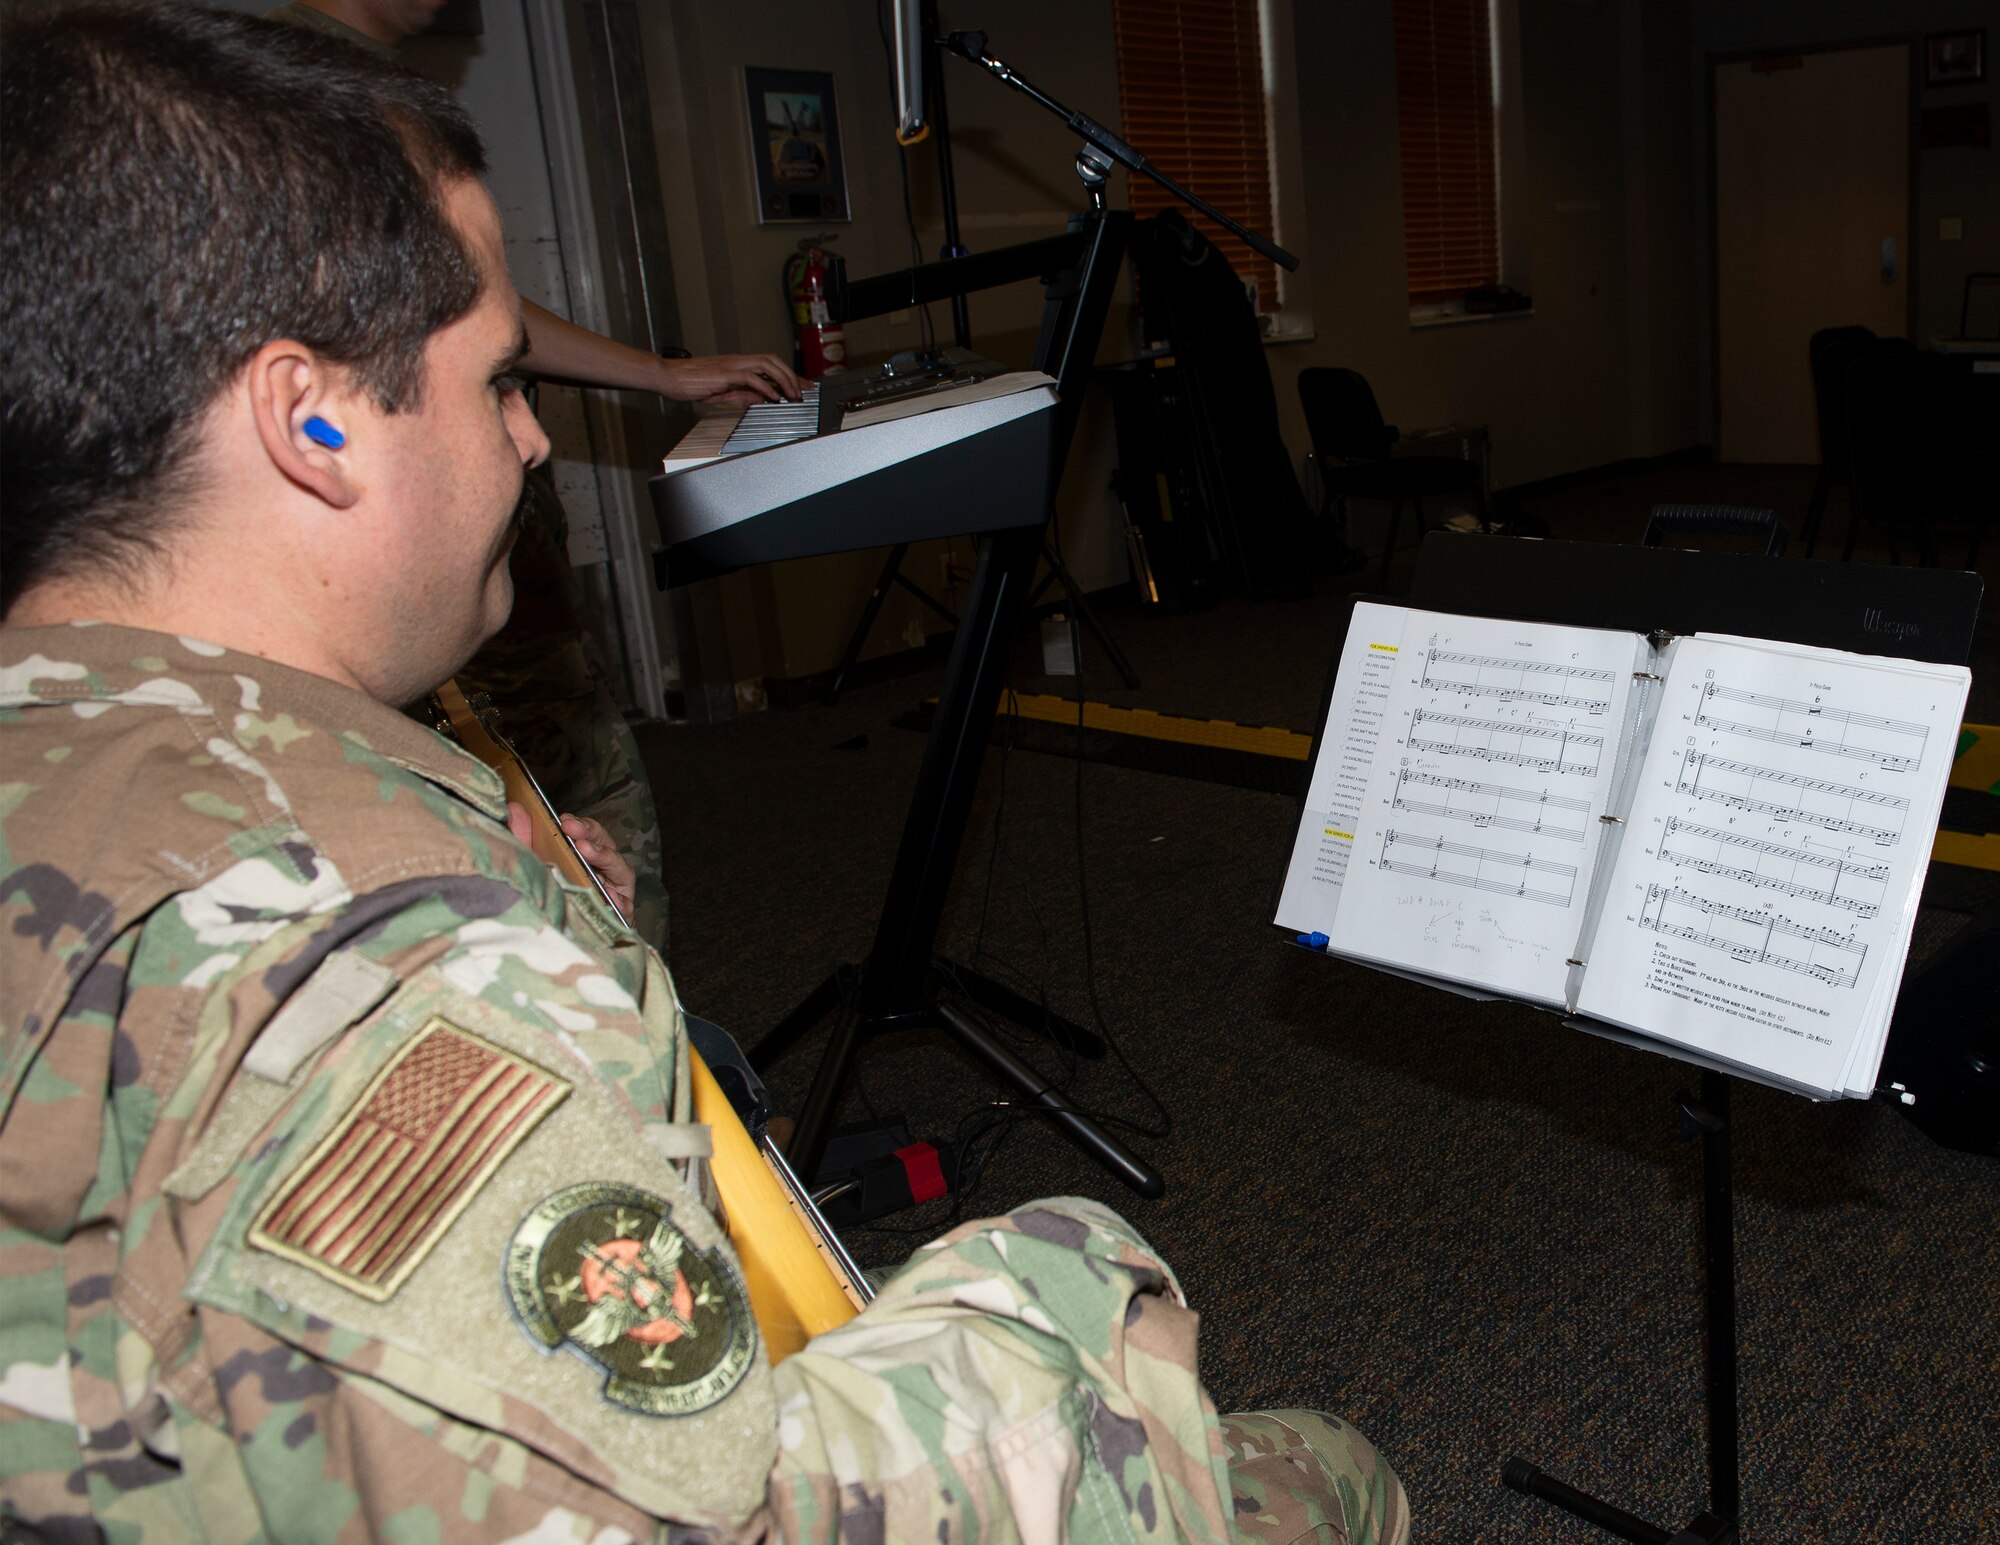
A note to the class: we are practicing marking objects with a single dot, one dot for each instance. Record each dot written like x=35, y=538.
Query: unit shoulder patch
x=601, y=1269
x=381, y=1188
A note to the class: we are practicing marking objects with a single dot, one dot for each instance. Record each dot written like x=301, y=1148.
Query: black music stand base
x=1707, y=1118
x=840, y=991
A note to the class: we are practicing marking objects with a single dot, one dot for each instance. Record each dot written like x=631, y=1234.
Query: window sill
x=1463, y=318
x=1286, y=329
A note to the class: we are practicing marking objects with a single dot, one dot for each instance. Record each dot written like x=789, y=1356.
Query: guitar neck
x=551, y=844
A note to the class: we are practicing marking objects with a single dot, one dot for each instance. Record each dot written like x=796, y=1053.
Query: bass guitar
x=800, y=1277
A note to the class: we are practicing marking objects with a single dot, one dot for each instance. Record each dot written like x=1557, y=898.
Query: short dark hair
x=182, y=187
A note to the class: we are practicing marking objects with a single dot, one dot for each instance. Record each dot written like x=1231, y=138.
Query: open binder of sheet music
x=1714, y=842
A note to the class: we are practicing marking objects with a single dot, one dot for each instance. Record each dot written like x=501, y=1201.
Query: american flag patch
x=373, y=1198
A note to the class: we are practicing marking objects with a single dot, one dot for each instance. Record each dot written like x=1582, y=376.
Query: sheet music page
x=1475, y=845
x=1762, y=901
x=1311, y=895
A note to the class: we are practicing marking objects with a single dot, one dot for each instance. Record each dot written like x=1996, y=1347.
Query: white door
x=1812, y=167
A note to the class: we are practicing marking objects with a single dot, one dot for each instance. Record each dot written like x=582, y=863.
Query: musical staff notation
x=1527, y=810
x=1531, y=681
x=1894, y=744
x=1865, y=880
x=1754, y=936
x=1817, y=801
x=1573, y=751
x=1457, y=863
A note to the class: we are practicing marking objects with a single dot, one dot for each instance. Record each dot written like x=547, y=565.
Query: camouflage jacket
x=345, y=1183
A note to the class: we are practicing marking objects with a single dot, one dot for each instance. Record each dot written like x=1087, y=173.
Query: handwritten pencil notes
x=1760, y=909
x=1718, y=843
x=1459, y=791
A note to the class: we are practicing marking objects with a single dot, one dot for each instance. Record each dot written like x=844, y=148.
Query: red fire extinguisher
x=820, y=343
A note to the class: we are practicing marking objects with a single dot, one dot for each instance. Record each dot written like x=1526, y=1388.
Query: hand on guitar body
x=593, y=845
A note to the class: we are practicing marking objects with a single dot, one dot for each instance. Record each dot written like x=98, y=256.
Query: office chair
x=1827, y=355
x=1908, y=454
x=1354, y=448
x=1715, y=520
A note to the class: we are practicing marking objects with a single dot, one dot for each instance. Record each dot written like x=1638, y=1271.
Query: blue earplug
x=320, y=432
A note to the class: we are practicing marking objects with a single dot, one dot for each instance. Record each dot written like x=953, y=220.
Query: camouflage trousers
x=1299, y=1475
x=548, y=682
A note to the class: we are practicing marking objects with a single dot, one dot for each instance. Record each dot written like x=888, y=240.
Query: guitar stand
x=1708, y=1119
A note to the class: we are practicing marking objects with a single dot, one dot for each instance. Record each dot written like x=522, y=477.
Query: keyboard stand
x=897, y=987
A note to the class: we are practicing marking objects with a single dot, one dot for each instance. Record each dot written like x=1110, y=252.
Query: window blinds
x=1191, y=91
x=1444, y=101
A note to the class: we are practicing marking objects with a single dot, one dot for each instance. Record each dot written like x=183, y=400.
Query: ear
x=289, y=384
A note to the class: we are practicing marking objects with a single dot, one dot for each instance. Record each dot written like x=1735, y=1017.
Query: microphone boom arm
x=971, y=46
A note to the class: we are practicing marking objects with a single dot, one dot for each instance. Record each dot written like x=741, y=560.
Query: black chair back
x=1826, y=335
x=1716, y=520
x=1888, y=427
x=1832, y=350
x=1899, y=460
x=1342, y=416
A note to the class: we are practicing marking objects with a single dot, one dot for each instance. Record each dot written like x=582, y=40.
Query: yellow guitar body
x=797, y=1288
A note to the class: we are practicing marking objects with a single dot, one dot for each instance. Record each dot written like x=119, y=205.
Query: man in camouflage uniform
x=348, y=1182
x=543, y=670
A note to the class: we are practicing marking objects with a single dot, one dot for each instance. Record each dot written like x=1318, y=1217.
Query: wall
x=1555, y=388
x=1602, y=370
x=1958, y=182
x=1013, y=170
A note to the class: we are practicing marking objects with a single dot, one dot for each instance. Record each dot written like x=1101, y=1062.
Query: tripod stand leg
x=950, y=617
x=891, y=571
x=784, y=1035
x=1081, y=607
x=1076, y=1126
x=1025, y=1012
x=1531, y=1482
x=808, y=1144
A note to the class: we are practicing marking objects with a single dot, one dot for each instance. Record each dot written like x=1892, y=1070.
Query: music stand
x=1923, y=614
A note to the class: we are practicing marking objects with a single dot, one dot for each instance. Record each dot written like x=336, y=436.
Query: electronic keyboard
x=928, y=446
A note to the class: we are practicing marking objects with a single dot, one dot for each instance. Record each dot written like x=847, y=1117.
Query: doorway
x=1812, y=229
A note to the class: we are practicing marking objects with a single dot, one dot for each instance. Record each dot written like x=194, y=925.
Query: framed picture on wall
x=1955, y=58
x=795, y=143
